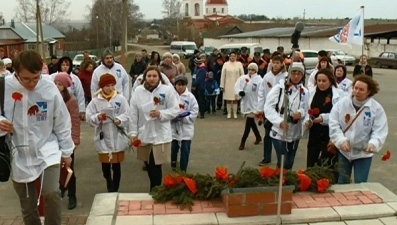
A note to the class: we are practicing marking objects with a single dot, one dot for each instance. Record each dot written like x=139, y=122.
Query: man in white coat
x=108, y=65
x=36, y=116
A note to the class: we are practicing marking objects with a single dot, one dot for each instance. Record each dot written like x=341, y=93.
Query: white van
x=184, y=49
x=252, y=47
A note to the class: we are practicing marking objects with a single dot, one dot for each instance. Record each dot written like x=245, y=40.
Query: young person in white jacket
x=108, y=65
x=366, y=135
x=298, y=97
x=344, y=84
x=323, y=63
x=153, y=106
x=323, y=96
x=36, y=115
x=65, y=65
x=247, y=87
x=183, y=124
x=271, y=79
x=109, y=112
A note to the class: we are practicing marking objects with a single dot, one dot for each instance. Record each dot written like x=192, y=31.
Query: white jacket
x=117, y=70
x=113, y=140
x=76, y=89
x=249, y=103
x=268, y=82
x=149, y=130
x=311, y=82
x=138, y=81
x=184, y=128
x=369, y=128
x=346, y=86
x=40, y=138
x=298, y=102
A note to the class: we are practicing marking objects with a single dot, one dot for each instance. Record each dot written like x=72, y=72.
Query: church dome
x=216, y=2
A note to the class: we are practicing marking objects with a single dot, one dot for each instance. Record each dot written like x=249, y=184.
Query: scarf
x=150, y=88
x=107, y=96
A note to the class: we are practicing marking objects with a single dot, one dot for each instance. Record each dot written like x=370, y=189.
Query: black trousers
x=219, y=100
x=112, y=182
x=210, y=103
x=154, y=172
x=317, y=154
x=250, y=124
x=201, y=101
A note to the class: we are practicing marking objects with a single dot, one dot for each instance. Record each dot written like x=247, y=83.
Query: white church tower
x=193, y=9
x=219, y=7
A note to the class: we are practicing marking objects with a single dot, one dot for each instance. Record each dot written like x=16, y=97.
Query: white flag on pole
x=351, y=33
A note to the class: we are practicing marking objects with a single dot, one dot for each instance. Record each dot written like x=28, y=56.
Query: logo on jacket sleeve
x=117, y=106
x=162, y=98
x=118, y=73
x=367, y=119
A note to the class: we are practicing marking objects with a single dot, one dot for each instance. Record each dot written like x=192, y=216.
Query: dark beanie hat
x=106, y=79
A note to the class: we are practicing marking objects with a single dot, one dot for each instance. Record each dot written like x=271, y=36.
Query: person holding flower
x=247, y=87
x=323, y=96
x=367, y=130
x=183, y=124
x=109, y=113
x=63, y=81
x=153, y=106
x=37, y=120
x=344, y=84
x=296, y=109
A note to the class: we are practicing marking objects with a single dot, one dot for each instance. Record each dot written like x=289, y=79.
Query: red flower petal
x=322, y=185
x=221, y=174
x=156, y=100
x=181, y=106
x=136, y=143
x=247, y=80
x=267, y=172
x=17, y=96
x=103, y=117
x=269, y=85
x=386, y=156
x=304, y=182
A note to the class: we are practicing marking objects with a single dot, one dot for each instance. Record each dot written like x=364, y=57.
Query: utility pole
x=37, y=25
x=304, y=15
x=124, y=32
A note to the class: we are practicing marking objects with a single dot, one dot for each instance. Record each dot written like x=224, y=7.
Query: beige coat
x=161, y=153
x=231, y=71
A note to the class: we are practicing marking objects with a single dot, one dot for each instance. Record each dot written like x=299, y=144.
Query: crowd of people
x=157, y=115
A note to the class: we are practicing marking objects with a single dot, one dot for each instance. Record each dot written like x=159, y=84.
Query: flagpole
x=363, y=33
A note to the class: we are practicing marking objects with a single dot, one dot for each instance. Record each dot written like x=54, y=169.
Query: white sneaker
x=229, y=115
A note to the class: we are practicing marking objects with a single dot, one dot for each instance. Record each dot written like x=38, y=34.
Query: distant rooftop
x=280, y=32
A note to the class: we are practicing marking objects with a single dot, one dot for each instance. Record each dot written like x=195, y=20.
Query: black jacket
x=137, y=68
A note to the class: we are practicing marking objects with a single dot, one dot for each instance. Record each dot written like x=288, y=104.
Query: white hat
x=297, y=66
x=253, y=66
x=7, y=61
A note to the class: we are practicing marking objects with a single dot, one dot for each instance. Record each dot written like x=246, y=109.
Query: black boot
x=72, y=203
x=109, y=183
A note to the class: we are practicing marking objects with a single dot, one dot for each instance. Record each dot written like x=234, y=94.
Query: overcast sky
x=284, y=8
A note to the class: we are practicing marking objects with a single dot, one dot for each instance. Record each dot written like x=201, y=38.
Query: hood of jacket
x=70, y=64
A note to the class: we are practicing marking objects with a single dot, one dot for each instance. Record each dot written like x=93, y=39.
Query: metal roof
x=280, y=32
x=27, y=31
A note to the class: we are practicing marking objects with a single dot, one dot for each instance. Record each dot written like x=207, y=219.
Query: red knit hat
x=64, y=79
x=106, y=79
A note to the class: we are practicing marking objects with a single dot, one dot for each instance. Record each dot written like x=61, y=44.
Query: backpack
x=5, y=151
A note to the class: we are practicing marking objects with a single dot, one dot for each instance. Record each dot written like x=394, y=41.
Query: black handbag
x=5, y=151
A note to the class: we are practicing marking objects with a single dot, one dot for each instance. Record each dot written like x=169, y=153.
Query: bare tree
x=172, y=14
x=106, y=22
x=52, y=11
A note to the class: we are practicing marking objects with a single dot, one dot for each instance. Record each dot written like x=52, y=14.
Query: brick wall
x=256, y=201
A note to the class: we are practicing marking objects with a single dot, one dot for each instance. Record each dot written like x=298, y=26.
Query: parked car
x=388, y=59
x=311, y=59
x=79, y=58
x=184, y=49
x=208, y=50
x=252, y=47
x=341, y=57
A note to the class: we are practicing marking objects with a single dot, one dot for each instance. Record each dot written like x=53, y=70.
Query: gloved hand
x=241, y=93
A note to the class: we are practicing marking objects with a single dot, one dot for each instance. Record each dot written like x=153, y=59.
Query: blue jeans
x=361, y=169
x=185, y=152
x=289, y=153
x=267, y=146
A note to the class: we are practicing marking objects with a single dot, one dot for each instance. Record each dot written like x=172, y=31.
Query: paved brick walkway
x=66, y=220
x=300, y=200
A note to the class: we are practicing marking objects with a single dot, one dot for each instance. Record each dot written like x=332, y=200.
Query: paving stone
x=186, y=219
x=329, y=223
x=393, y=205
x=138, y=220
x=104, y=204
x=249, y=220
x=103, y=220
x=364, y=222
x=370, y=211
x=385, y=194
x=135, y=197
x=348, y=187
x=389, y=220
x=310, y=215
